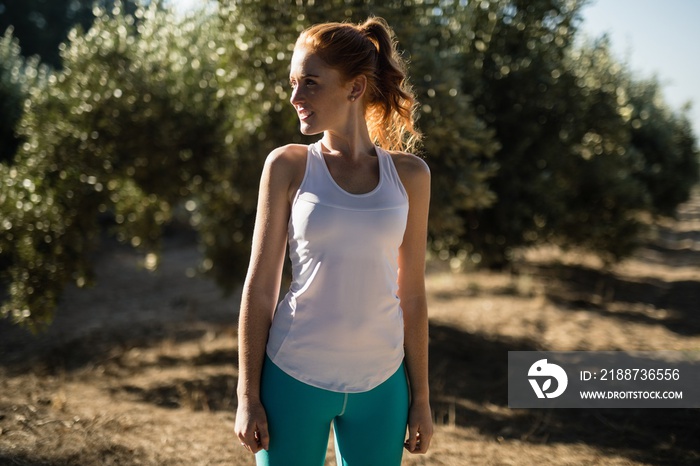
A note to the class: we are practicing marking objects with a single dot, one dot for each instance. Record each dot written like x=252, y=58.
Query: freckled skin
x=328, y=104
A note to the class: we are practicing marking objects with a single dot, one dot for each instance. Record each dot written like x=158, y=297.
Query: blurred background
x=120, y=116
x=563, y=148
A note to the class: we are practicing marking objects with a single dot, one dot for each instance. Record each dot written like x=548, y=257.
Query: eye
x=308, y=82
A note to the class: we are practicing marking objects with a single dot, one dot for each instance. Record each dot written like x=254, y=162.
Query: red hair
x=370, y=49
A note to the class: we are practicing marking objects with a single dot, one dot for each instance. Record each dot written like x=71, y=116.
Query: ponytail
x=370, y=49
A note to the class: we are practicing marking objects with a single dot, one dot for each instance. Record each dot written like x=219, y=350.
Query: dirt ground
x=141, y=369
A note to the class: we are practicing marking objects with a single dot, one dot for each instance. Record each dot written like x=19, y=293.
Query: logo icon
x=544, y=369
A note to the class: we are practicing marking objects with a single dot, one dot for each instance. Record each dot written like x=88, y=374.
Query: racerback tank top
x=340, y=325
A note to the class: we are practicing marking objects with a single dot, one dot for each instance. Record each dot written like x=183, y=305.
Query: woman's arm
x=415, y=177
x=261, y=291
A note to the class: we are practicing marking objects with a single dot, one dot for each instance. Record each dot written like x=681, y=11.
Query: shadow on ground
x=580, y=287
x=468, y=386
x=112, y=455
x=213, y=393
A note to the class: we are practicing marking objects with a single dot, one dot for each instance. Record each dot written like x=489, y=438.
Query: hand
x=420, y=428
x=251, y=425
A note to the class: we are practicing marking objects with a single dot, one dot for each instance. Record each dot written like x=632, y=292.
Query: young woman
x=348, y=344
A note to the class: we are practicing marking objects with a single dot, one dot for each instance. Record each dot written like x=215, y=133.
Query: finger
x=263, y=437
x=249, y=441
x=423, y=442
x=412, y=438
x=243, y=444
x=255, y=448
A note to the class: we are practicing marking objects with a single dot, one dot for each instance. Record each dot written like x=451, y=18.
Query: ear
x=358, y=85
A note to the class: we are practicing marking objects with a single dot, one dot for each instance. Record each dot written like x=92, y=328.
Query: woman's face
x=320, y=95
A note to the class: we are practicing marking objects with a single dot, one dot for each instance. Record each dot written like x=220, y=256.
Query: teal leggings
x=369, y=427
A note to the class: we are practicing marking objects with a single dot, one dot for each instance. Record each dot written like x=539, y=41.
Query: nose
x=296, y=96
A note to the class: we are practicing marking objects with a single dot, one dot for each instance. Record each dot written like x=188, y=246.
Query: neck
x=352, y=142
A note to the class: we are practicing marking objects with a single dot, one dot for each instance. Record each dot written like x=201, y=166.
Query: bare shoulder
x=413, y=170
x=287, y=156
x=285, y=167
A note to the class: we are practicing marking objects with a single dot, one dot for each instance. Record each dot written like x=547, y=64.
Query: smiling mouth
x=304, y=114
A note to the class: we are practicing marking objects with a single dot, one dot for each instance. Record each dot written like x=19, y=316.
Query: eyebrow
x=308, y=75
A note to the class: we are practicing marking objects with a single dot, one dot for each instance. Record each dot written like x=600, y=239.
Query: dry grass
x=141, y=369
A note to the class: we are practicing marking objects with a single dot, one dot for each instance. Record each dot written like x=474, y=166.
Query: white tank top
x=340, y=326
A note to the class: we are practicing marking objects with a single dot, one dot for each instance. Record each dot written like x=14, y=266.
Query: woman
x=348, y=344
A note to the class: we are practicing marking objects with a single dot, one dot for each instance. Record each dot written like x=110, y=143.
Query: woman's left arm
x=415, y=176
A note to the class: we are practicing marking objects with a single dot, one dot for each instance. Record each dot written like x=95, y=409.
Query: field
x=140, y=369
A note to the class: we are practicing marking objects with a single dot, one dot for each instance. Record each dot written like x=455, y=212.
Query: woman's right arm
x=261, y=292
